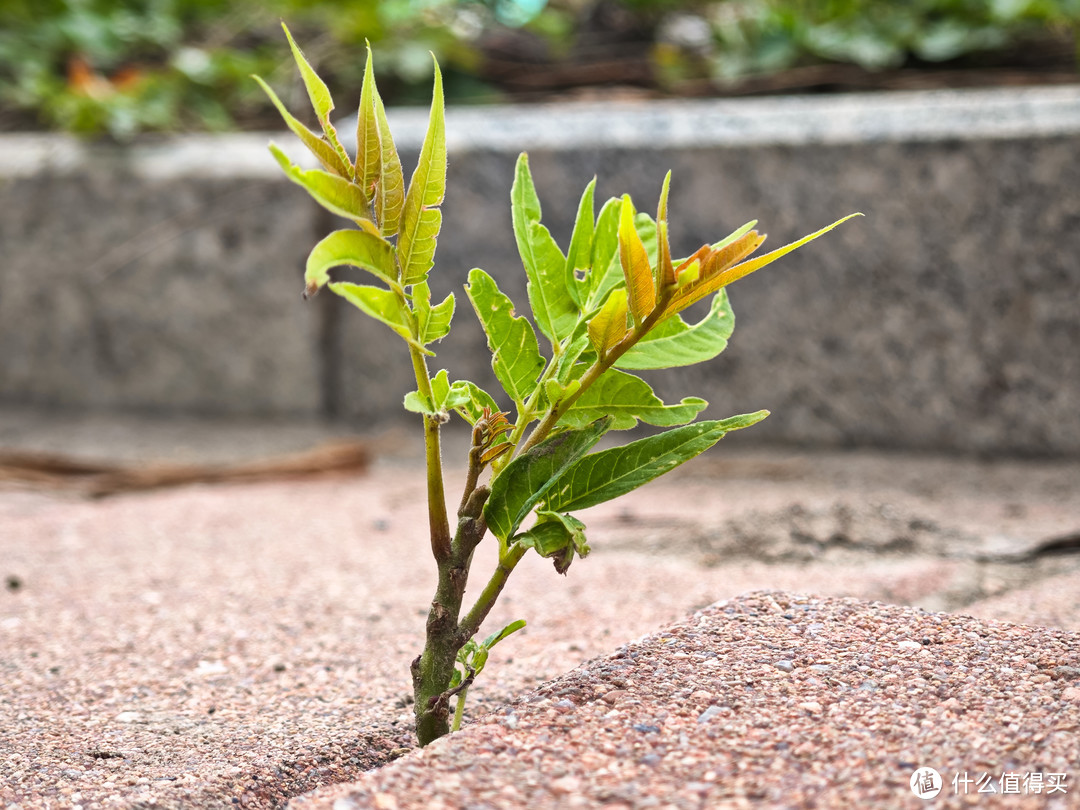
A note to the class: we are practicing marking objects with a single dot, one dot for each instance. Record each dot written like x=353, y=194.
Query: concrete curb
x=163, y=276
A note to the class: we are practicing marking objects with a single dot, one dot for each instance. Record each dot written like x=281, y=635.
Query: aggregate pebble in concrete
x=697, y=716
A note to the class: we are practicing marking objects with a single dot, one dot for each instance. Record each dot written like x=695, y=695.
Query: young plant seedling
x=609, y=305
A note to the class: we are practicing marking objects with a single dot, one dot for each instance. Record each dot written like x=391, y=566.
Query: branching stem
x=472, y=620
x=602, y=364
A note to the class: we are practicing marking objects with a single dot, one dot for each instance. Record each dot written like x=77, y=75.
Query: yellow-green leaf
x=378, y=167
x=553, y=305
x=432, y=322
x=640, y=286
x=382, y=305
x=608, y=326
x=673, y=342
x=421, y=218
x=356, y=248
x=710, y=276
x=315, y=143
x=627, y=399
x=319, y=94
x=665, y=270
x=710, y=283
x=335, y=194
x=579, y=255
x=515, y=354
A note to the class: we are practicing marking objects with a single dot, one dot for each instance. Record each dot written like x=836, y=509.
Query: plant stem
x=602, y=364
x=472, y=620
x=434, y=667
x=438, y=523
x=459, y=711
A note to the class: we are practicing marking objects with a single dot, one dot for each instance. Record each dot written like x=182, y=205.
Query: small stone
x=811, y=706
x=820, y=668
x=910, y=645
x=1071, y=694
x=1067, y=673
x=784, y=666
x=385, y=801
x=564, y=706
x=701, y=694
x=566, y=784
x=128, y=717
x=645, y=728
x=708, y=714
x=614, y=695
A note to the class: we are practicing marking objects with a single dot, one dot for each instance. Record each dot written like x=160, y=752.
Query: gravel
x=708, y=721
x=221, y=646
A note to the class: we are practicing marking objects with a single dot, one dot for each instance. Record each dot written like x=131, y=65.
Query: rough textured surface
x=773, y=699
x=940, y=321
x=121, y=291
x=244, y=644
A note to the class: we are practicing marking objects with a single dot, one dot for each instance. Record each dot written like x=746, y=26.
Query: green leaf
x=440, y=389
x=515, y=354
x=571, y=362
x=548, y=538
x=433, y=322
x=416, y=402
x=605, y=251
x=674, y=343
x=321, y=101
x=496, y=637
x=524, y=481
x=556, y=537
x=356, y=248
x=378, y=167
x=445, y=397
x=579, y=256
x=606, y=475
x=472, y=400
x=382, y=305
x=627, y=399
x=336, y=194
x=421, y=218
x=574, y=527
x=665, y=270
x=553, y=306
x=315, y=143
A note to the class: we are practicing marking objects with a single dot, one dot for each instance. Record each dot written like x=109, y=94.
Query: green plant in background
x=125, y=66
x=764, y=36
x=611, y=304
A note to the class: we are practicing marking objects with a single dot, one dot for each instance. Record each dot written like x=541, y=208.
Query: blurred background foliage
x=124, y=66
